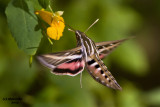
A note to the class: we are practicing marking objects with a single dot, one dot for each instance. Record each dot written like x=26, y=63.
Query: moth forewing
x=87, y=54
x=69, y=62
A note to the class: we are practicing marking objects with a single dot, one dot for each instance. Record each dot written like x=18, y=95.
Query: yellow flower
x=55, y=21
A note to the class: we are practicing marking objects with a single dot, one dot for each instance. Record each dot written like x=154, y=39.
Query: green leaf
x=44, y=3
x=23, y=25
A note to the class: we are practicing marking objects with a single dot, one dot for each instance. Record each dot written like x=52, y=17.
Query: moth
x=87, y=54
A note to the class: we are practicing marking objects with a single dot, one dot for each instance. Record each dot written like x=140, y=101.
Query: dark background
x=135, y=64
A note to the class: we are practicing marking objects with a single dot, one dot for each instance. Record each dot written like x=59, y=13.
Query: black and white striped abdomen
x=101, y=74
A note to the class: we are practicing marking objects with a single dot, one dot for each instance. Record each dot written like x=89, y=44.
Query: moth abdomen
x=101, y=74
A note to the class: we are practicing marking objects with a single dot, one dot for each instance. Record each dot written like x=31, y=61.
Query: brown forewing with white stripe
x=87, y=54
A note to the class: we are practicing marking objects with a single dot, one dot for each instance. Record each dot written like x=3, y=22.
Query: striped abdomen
x=101, y=74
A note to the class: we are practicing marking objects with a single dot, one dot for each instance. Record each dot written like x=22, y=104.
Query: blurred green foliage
x=134, y=64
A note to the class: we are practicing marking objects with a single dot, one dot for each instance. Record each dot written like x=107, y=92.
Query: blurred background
x=134, y=64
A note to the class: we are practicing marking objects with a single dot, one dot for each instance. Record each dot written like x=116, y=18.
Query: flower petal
x=52, y=32
x=45, y=15
x=59, y=13
x=55, y=21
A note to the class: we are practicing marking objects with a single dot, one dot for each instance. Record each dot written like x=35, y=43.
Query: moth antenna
x=81, y=79
x=92, y=25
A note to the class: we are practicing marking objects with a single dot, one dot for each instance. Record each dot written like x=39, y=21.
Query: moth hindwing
x=87, y=54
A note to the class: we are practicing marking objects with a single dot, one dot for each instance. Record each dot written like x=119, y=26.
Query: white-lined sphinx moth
x=87, y=54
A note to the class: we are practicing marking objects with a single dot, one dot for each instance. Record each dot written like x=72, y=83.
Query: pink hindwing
x=71, y=62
